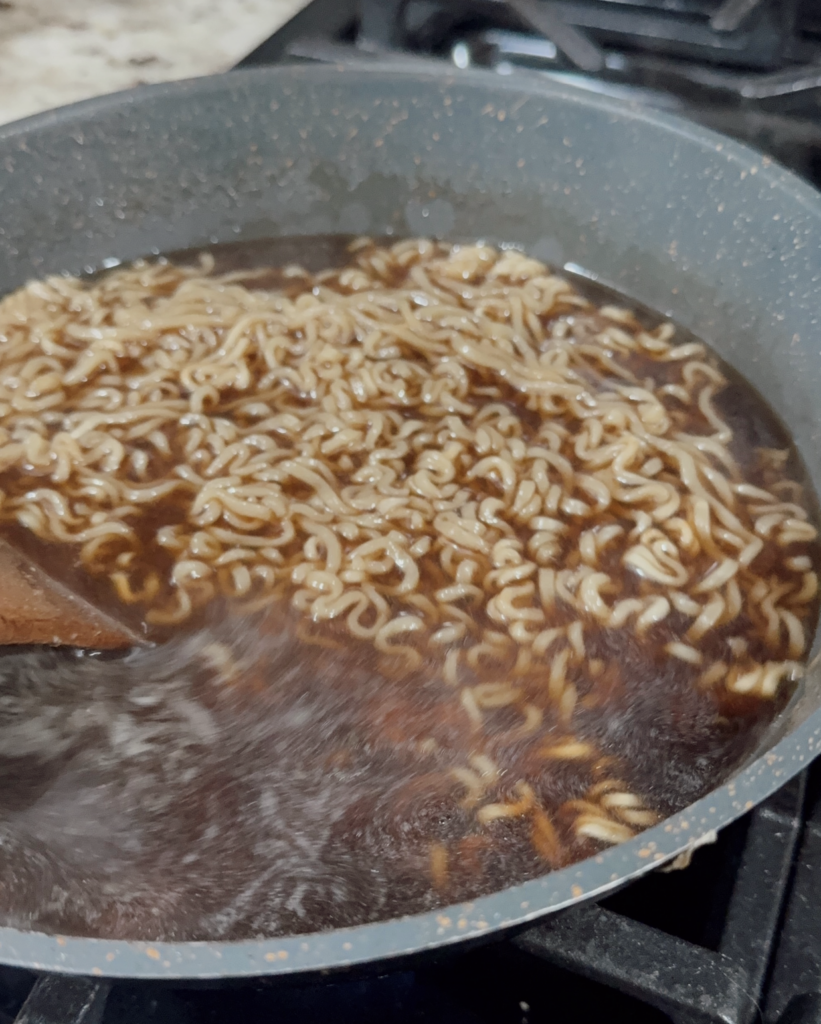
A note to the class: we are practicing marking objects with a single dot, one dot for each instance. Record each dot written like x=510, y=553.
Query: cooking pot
x=698, y=227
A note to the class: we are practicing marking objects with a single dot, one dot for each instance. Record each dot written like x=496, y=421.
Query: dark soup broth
x=452, y=571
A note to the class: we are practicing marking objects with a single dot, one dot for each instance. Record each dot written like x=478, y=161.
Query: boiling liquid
x=237, y=781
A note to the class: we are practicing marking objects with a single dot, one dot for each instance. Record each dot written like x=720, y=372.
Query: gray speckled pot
x=684, y=220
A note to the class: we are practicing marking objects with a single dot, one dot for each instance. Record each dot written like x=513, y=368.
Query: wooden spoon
x=34, y=609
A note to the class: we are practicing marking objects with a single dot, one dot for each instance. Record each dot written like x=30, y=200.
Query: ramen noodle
x=532, y=513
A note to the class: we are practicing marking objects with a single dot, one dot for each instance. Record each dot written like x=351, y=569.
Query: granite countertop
x=54, y=52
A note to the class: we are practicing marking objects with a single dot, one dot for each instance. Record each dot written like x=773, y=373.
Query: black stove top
x=735, y=937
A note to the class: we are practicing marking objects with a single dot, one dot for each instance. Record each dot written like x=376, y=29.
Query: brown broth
x=236, y=781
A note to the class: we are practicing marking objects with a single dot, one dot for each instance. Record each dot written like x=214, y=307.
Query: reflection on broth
x=458, y=572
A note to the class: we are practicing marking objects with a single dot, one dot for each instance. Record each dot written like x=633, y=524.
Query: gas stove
x=735, y=936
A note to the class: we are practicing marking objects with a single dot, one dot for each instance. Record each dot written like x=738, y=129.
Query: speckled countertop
x=54, y=52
